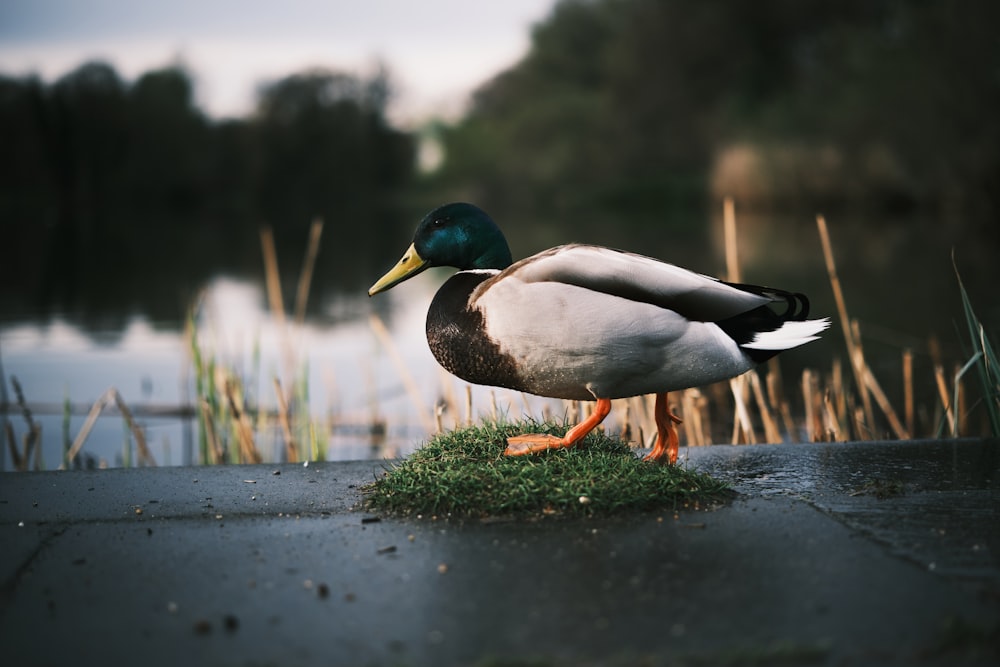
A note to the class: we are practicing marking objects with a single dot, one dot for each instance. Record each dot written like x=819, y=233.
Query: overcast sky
x=437, y=51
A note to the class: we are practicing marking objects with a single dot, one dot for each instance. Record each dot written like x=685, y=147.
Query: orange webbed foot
x=532, y=443
x=667, y=440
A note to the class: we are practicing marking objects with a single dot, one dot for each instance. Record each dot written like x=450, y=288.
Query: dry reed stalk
x=109, y=395
x=774, y=368
x=640, y=411
x=88, y=424
x=742, y=424
x=789, y=422
x=691, y=407
x=275, y=300
x=22, y=404
x=625, y=420
x=447, y=403
x=244, y=432
x=704, y=416
x=772, y=385
x=813, y=428
x=525, y=404
x=261, y=424
x=468, y=405
x=831, y=430
x=876, y=389
x=729, y=229
x=33, y=445
x=214, y=447
x=771, y=432
x=32, y=437
x=642, y=424
x=308, y=266
x=271, y=275
x=776, y=396
x=634, y=409
x=21, y=454
x=571, y=411
x=741, y=418
x=853, y=346
x=908, y=413
x=860, y=428
x=291, y=448
x=382, y=333
x=839, y=397
x=438, y=413
x=15, y=452
x=883, y=402
x=145, y=456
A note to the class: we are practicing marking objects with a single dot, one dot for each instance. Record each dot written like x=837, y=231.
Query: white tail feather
x=788, y=335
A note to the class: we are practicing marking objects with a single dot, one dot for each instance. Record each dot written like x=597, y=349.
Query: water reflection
x=897, y=278
x=345, y=369
x=355, y=387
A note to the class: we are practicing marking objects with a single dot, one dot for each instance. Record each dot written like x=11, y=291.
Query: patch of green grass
x=465, y=473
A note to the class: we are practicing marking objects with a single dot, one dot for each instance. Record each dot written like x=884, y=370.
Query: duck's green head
x=458, y=235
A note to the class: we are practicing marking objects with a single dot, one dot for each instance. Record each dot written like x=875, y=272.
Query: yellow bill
x=410, y=265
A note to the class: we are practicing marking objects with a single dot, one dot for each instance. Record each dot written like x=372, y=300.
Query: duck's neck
x=497, y=256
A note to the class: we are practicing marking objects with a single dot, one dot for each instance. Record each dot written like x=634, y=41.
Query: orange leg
x=539, y=442
x=665, y=449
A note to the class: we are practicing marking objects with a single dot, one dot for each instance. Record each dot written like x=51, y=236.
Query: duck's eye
x=441, y=222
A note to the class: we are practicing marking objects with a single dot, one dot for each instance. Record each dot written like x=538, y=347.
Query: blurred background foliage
x=629, y=109
x=125, y=197
x=625, y=123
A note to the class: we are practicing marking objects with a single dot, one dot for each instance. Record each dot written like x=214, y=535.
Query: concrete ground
x=838, y=554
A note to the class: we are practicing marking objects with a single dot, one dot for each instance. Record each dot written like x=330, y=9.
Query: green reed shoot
x=984, y=357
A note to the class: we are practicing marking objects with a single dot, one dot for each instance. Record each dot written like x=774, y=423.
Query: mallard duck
x=584, y=322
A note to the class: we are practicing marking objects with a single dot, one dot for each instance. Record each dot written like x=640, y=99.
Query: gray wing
x=638, y=278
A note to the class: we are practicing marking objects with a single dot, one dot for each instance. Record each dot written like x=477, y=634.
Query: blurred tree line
x=626, y=119
x=118, y=197
x=626, y=113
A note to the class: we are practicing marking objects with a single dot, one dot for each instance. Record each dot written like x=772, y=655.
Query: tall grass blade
x=985, y=357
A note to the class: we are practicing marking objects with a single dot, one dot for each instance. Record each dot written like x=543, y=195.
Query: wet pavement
x=839, y=554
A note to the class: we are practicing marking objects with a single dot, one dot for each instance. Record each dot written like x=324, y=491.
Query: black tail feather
x=797, y=302
x=744, y=327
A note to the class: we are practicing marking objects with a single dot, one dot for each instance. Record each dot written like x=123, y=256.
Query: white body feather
x=791, y=334
x=588, y=322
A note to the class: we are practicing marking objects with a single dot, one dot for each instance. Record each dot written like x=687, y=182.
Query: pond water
x=897, y=276
x=356, y=388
